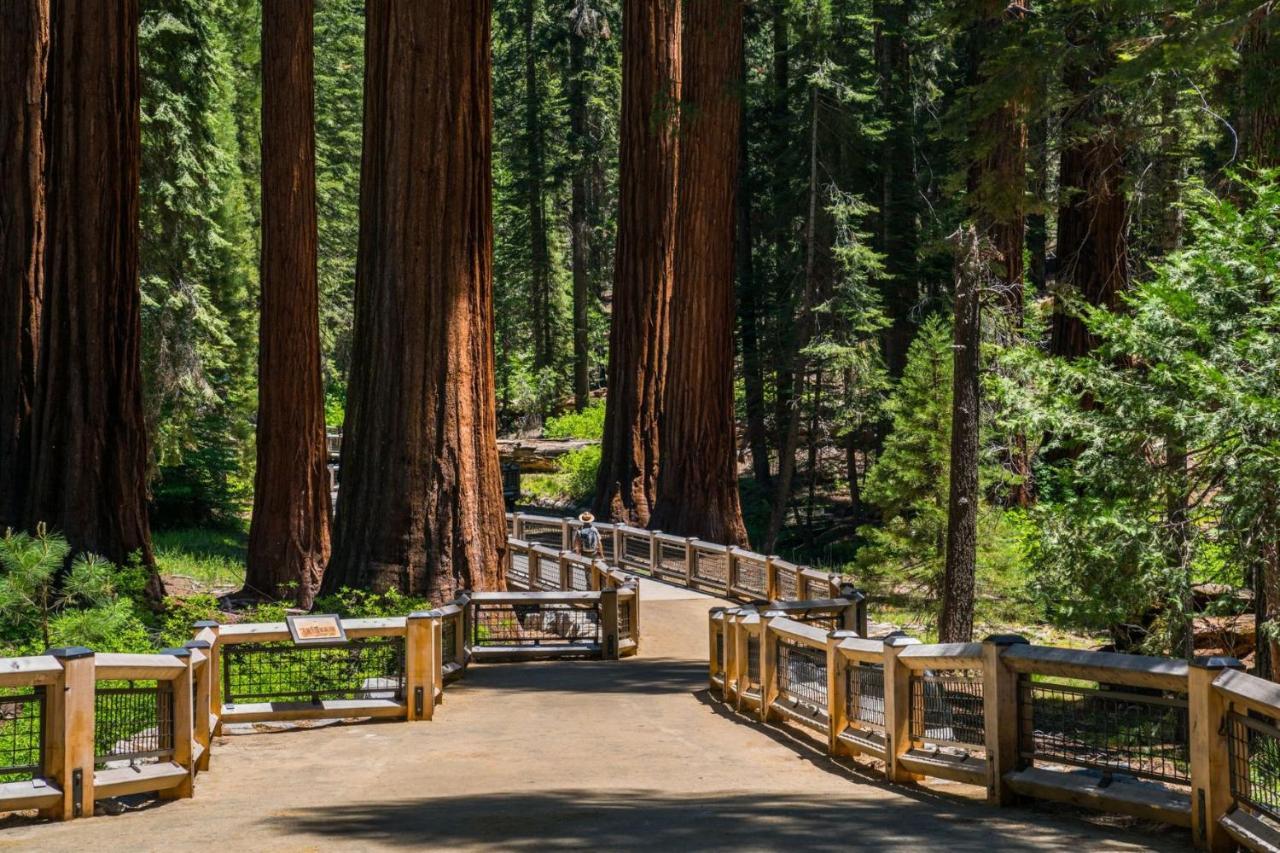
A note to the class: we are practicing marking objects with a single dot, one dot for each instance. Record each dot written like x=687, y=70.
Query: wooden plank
x=535, y=597
x=897, y=708
x=1251, y=832
x=1147, y=800
x=1254, y=693
x=1210, y=770
x=861, y=650
x=866, y=743
x=1108, y=667
x=1000, y=716
x=32, y=794
x=798, y=631
x=126, y=667
x=183, y=731
x=254, y=632
x=122, y=781
x=943, y=656
x=68, y=741
x=517, y=653
x=329, y=709
x=29, y=671
x=419, y=651
x=967, y=770
x=392, y=626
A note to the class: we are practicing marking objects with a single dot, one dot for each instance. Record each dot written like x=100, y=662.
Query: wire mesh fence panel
x=448, y=638
x=548, y=576
x=788, y=584
x=947, y=709
x=624, y=618
x=753, y=662
x=606, y=542
x=579, y=577
x=815, y=588
x=543, y=532
x=712, y=567
x=636, y=551
x=22, y=713
x=802, y=674
x=133, y=723
x=519, y=569
x=1110, y=730
x=671, y=557
x=370, y=668
x=750, y=575
x=1253, y=752
x=719, y=658
x=534, y=624
x=864, y=696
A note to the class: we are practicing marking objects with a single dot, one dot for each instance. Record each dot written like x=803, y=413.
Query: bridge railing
x=1195, y=744
x=724, y=570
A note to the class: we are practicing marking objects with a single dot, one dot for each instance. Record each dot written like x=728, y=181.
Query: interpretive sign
x=316, y=628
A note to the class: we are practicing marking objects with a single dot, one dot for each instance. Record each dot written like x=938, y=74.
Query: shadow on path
x=650, y=820
x=641, y=676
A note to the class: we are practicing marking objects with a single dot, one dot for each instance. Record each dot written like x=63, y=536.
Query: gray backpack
x=589, y=538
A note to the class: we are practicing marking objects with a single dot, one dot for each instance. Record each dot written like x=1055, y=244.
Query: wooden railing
x=1195, y=745
x=77, y=726
x=734, y=573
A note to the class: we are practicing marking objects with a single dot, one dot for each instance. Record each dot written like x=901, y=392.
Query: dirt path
x=587, y=755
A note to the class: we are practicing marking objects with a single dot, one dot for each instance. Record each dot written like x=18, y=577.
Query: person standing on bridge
x=586, y=539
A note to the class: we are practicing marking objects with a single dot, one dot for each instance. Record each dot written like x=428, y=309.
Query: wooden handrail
x=136, y=667
x=1111, y=667
x=1254, y=693
x=33, y=671
x=943, y=656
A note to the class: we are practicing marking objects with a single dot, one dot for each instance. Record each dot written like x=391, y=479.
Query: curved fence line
x=1195, y=744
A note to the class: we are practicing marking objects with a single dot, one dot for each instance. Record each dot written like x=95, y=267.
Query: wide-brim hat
x=586, y=518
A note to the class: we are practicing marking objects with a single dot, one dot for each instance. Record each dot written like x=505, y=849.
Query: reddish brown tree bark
x=698, y=481
x=1093, y=256
x=89, y=459
x=1260, y=88
x=626, y=485
x=421, y=506
x=24, y=56
x=289, y=533
x=997, y=189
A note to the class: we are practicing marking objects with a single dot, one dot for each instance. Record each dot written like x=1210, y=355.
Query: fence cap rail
x=29, y=671
x=132, y=667
x=861, y=649
x=808, y=605
x=943, y=656
x=1255, y=693
x=1113, y=667
x=793, y=630
x=553, y=597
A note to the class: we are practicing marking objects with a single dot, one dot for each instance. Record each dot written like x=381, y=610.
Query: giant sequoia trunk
x=89, y=458
x=626, y=486
x=289, y=535
x=534, y=179
x=698, y=481
x=997, y=191
x=1260, y=88
x=898, y=203
x=579, y=224
x=421, y=506
x=955, y=623
x=1093, y=260
x=24, y=55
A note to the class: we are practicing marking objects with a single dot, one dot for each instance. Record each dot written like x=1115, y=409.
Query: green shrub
x=359, y=603
x=587, y=424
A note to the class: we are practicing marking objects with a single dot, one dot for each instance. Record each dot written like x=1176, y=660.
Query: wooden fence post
x=68, y=733
x=609, y=623
x=690, y=561
x=655, y=552
x=730, y=627
x=770, y=578
x=215, y=671
x=566, y=576
x=201, y=707
x=183, y=706
x=1000, y=710
x=421, y=652
x=1210, y=770
x=517, y=526
x=742, y=642
x=715, y=642
x=897, y=706
x=837, y=685
x=566, y=534
x=619, y=544
x=731, y=558
x=768, y=665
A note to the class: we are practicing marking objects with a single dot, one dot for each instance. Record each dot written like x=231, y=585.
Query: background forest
x=1126, y=391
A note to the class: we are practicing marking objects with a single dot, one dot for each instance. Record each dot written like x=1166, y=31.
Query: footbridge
x=674, y=695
